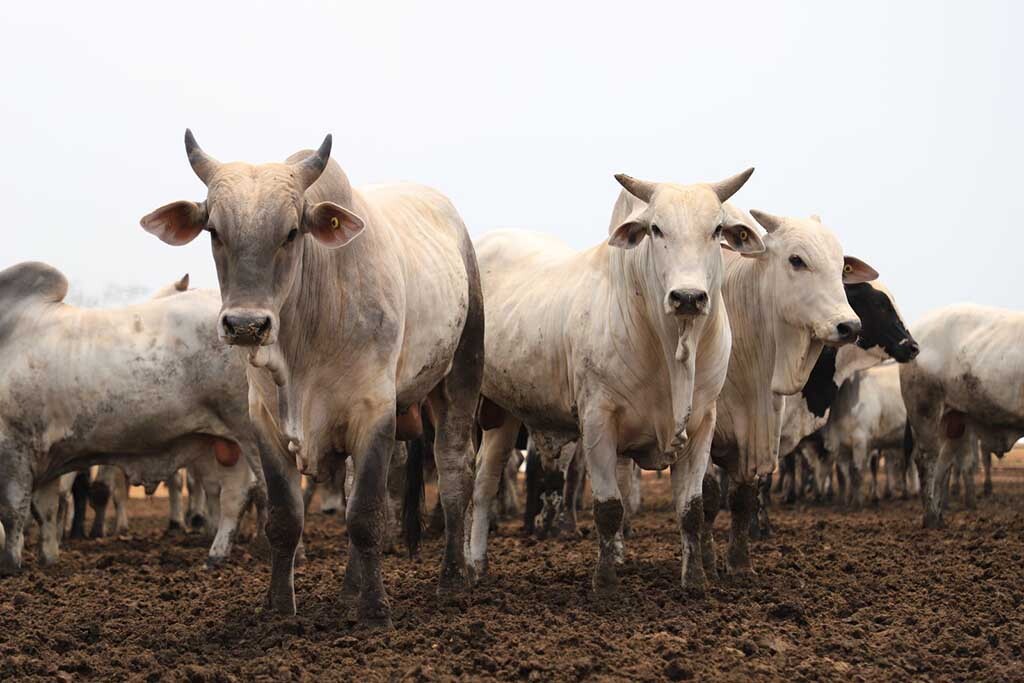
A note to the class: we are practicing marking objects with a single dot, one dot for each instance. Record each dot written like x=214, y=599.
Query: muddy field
x=847, y=596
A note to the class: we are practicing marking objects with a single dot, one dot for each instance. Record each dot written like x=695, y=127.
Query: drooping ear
x=767, y=221
x=182, y=284
x=741, y=239
x=177, y=223
x=331, y=225
x=855, y=270
x=628, y=235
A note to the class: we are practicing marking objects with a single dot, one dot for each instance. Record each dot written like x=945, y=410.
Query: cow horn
x=728, y=187
x=768, y=222
x=311, y=167
x=641, y=189
x=182, y=284
x=203, y=164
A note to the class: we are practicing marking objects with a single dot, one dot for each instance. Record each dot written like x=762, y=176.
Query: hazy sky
x=899, y=122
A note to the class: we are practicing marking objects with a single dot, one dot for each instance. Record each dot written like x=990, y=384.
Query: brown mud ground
x=838, y=595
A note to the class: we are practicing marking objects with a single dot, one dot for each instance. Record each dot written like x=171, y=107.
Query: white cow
x=145, y=387
x=868, y=415
x=963, y=389
x=624, y=345
x=784, y=305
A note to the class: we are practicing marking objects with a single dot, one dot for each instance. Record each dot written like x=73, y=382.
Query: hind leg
x=15, y=505
x=99, y=495
x=494, y=452
x=45, y=504
x=119, y=494
x=80, y=498
x=176, y=518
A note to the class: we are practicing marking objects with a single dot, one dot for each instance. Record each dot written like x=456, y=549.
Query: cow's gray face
x=258, y=218
x=808, y=271
x=684, y=226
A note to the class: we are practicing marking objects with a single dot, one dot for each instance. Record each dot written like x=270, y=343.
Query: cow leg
x=534, y=478
x=196, y=510
x=788, y=480
x=935, y=482
x=397, y=475
x=45, y=504
x=99, y=495
x=365, y=519
x=743, y=505
x=235, y=484
x=80, y=498
x=15, y=506
x=968, y=468
x=569, y=522
x=494, y=452
x=760, y=524
x=176, y=518
x=119, y=494
x=284, y=525
x=599, y=448
x=858, y=466
x=986, y=464
x=624, y=477
x=688, y=475
x=711, y=495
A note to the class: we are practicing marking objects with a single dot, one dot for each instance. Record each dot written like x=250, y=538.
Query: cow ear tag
x=847, y=269
x=335, y=224
x=743, y=236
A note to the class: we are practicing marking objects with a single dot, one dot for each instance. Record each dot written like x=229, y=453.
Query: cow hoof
x=934, y=522
x=606, y=581
x=375, y=623
x=477, y=571
x=329, y=511
x=986, y=490
x=8, y=568
x=174, y=528
x=215, y=562
x=197, y=522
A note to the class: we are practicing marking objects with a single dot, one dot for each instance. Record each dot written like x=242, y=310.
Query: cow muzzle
x=248, y=327
x=687, y=302
x=906, y=351
x=844, y=332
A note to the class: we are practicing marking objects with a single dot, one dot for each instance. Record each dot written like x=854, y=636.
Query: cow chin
x=248, y=327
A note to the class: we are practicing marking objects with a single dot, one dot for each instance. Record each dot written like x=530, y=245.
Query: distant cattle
x=144, y=387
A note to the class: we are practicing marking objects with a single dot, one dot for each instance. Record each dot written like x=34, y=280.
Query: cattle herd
x=360, y=336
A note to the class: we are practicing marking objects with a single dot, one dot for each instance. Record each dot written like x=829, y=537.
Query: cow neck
x=788, y=354
x=850, y=359
x=679, y=341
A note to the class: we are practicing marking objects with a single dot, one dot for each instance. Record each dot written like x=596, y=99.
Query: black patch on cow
x=821, y=390
x=880, y=323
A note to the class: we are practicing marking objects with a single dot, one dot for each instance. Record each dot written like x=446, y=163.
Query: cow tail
x=412, y=522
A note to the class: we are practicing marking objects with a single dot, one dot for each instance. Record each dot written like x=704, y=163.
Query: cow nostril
x=264, y=326
x=228, y=325
x=848, y=330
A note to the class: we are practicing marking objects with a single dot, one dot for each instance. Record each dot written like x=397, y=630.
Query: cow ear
x=331, y=225
x=628, y=235
x=855, y=270
x=176, y=223
x=741, y=239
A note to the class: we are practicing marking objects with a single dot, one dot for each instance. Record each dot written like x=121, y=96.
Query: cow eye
x=717, y=234
x=656, y=231
x=797, y=262
x=291, y=236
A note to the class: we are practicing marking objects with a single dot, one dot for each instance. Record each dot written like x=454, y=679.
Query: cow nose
x=912, y=348
x=848, y=330
x=688, y=301
x=245, y=329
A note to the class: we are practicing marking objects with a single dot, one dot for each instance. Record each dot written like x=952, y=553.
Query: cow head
x=683, y=226
x=258, y=217
x=881, y=325
x=807, y=274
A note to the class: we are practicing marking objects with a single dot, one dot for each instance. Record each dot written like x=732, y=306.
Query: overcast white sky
x=900, y=123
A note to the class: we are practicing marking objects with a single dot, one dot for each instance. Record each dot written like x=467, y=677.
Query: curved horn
x=182, y=284
x=768, y=222
x=310, y=168
x=641, y=189
x=203, y=164
x=728, y=187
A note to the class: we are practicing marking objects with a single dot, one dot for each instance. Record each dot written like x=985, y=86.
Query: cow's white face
x=258, y=218
x=683, y=226
x=807, y=271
